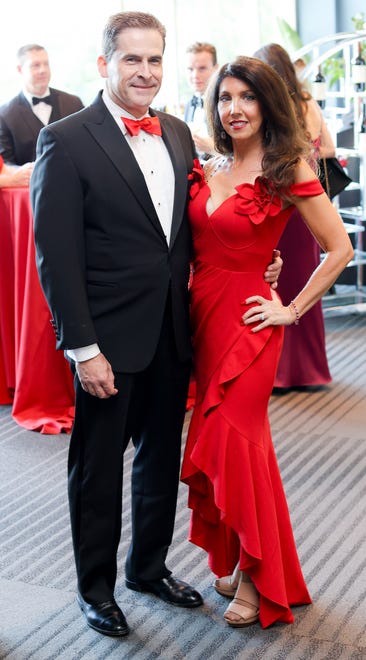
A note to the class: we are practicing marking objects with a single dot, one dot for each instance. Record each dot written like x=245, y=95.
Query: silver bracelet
x=297, y=315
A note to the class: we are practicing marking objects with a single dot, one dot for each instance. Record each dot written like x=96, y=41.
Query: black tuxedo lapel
x=107, y=134
x=105, y=131
x=56, y=111
x=27, y=115
x=174, y=147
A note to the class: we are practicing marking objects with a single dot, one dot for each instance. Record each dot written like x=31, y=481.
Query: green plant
x=359, y=21
x=333, y=70
x=290, y=37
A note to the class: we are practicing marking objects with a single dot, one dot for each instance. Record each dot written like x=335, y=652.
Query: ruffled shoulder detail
x=256, y=202
x=307, y=188
x=196, y=179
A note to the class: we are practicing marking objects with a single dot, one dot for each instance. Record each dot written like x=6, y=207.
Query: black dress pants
x=149, y=409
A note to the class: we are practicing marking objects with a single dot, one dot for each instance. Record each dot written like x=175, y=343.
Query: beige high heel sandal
x=244, y=606
x=227, y=586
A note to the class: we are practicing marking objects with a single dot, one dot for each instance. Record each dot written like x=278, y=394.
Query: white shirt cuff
x=83, y=353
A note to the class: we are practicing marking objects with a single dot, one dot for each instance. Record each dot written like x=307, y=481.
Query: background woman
x=303, y=363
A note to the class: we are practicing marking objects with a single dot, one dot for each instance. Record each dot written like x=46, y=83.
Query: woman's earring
x=223, y=135
x=268, y=136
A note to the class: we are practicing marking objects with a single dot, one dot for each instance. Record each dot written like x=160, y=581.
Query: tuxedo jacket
x=20, y=127
x=103, y=260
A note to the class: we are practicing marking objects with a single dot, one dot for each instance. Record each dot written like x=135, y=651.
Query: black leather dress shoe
x=169, y=589
x=106, y=617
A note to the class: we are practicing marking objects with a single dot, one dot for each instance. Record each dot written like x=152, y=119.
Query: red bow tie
x=148, y=124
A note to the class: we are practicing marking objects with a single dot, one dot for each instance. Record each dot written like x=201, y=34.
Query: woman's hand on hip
x=266, y=312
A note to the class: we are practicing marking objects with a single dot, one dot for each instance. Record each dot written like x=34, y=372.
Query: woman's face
x=239, y=110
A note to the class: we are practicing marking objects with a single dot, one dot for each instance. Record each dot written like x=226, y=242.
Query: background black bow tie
x=45, y=99
x=197, y=101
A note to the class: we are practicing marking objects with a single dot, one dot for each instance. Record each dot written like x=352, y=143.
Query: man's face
x=35, y=72
x=135, y=71
x=200, y=68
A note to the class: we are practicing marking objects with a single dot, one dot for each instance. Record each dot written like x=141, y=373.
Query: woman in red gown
x=239, y=510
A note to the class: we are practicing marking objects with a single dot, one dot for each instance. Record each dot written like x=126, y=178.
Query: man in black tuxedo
x=22, y=118
x=201, y=64
x=113, y=246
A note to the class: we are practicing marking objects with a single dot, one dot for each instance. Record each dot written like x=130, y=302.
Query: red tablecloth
x=34, y=377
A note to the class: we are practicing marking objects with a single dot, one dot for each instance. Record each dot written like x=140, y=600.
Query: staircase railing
x=344, y=99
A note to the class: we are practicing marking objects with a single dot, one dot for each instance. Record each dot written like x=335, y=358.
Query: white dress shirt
x=154, y=161
x=41, y=110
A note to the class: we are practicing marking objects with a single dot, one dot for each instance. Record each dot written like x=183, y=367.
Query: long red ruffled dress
x=235, y=490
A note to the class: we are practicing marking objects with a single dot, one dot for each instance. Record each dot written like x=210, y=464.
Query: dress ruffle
x=243, y=510
x=237, y=499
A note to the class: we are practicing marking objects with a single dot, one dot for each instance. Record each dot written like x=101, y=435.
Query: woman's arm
x=327, y=227
x=15, y=177
x=317, y=126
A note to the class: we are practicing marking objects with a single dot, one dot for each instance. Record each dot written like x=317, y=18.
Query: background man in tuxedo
x=22, y=118
x=113, y=248
x=201, y=64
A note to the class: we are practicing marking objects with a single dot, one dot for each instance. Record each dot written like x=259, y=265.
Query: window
x=71, y=33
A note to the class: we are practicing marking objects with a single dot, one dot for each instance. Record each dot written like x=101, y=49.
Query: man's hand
x=274, y=269
x=22, y=174
x=96, y=377
x=13, y=176
x=203, y=143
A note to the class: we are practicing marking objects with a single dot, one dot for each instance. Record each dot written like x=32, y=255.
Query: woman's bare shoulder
x=313, y=118
x=303, y=172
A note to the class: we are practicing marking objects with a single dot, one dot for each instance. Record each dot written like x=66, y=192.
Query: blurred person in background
x=303, y=363
x=37, y=105
x=201, y=64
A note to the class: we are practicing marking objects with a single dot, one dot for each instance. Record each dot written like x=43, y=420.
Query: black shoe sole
x=109, y=634
x=141, y=588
